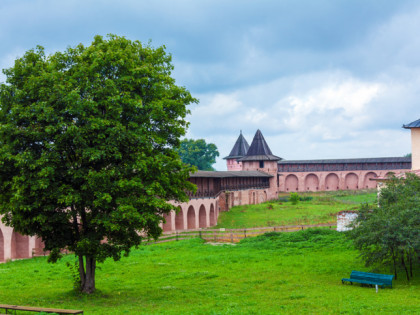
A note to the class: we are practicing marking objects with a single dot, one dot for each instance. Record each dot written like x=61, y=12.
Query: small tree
x=390, y=234
x=87, y=139
x=198, y=153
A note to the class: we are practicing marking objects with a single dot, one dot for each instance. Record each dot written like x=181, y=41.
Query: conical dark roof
x=414, y=124
x=259, y=150
x=239, y=149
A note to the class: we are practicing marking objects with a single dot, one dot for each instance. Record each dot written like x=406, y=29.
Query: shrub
x=294, y=198
x=306, y=198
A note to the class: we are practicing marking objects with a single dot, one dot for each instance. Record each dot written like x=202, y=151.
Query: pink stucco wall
x=14, y=245
x=204, y=212
x=415, y=148
x=324, y=181
x=233, y=165
x=197, y=213
x=270, y=167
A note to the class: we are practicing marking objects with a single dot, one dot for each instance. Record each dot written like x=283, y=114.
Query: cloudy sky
x=321, y=79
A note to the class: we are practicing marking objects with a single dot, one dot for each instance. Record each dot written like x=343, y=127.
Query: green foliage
x=294, y=198
x=390, y=234
x=305, y=198
x=198, y=153
x=87, y=139
x=309, y=239
x=301, y=198
x=74, y=271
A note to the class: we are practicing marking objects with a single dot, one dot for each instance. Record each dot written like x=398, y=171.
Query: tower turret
x=260, y=158
x=239, y=150
x=259, y=155
x=415, y=143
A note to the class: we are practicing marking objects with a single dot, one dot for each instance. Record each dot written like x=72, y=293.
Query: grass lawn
x=288, y=273
x=321, y=209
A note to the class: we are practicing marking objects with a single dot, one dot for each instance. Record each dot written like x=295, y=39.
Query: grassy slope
x=322, y=209
x=287, y=272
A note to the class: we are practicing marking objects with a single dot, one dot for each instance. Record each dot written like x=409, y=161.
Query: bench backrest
x=360, y=275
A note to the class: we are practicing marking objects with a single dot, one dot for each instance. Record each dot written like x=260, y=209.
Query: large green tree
x=389, y=234
x=87, y=139
x=198, y=153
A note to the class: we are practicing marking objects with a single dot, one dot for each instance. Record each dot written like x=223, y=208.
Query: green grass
x=321, y=209
x=356, y=197
x=289, y=273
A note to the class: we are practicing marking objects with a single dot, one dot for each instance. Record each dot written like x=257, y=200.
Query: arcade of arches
x=16, y=246
x=325, y=181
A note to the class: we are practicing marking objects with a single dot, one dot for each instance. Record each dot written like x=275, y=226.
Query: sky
x=321, y=79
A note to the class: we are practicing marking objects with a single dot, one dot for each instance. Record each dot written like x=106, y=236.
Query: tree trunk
x=410, y=259
x=395, y=263
x=405, y=267
x=87, y=276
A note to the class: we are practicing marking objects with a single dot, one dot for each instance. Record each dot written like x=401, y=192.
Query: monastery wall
x=204, y=212
x=328, y=181
x=233, y=165
x=16, y=246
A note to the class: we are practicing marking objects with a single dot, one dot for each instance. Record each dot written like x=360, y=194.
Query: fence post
x=231, y=236
x=244, y=233
x=199, y=233
x=177, y=236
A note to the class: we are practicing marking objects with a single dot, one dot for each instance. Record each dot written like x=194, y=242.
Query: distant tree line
x=198, y=153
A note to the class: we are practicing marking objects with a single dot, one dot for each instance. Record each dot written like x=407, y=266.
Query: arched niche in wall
x=167, y=223
x=291, y=183
x=212, y=215
x=367, y=183
x=332, y=182
x=351, y=181
x=311, y=182
x=202, y=220
x=20, y=245
x=191, y=218
x=179, y=219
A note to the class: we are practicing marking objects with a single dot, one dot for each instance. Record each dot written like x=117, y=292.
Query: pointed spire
x=239, y=149
x=259, y=150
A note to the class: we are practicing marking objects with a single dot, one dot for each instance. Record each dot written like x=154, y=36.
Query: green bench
x=37, y=309
x=369, y=278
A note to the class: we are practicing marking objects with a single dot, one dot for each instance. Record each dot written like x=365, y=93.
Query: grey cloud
x=246, y=61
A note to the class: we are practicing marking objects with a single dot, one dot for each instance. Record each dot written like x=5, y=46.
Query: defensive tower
x=415, y=143
x=260, y=158
x=239, y=150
